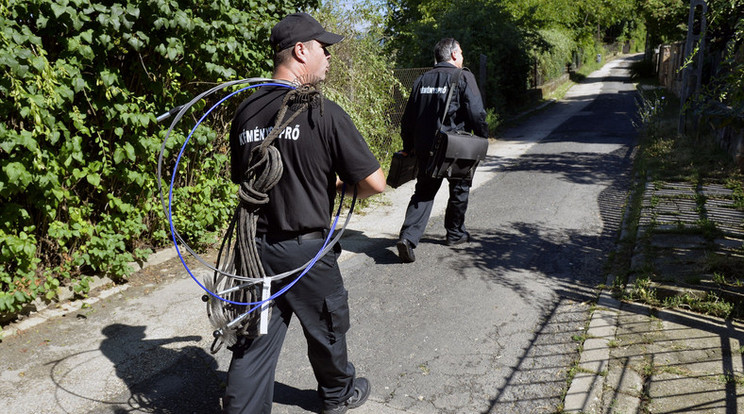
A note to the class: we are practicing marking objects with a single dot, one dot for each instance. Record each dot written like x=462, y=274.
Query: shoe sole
x=404, y=254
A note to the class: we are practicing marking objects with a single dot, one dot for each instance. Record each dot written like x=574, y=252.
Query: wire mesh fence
x=406, y=76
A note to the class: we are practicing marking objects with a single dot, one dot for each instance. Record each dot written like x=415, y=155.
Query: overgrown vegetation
x=82, y=83
x=723, y=94
x=664, y=156
x=362, y=79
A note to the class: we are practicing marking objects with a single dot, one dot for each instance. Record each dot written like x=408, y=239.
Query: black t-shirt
x=313, y=148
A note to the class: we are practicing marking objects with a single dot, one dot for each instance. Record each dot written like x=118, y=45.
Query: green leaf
x=77, y=173
x=38, y=63
x=41, y=22
x=54, y=137
x=20, y=296
x=19, y=38
x=105, y=41
x=160, y=23
x=130, y=151
x=135, y=43
x=78, y=84
x=94, y=179
x=58, y=9
x=17, y=174
x=87, y=35
x=26, y=139
x=108, y=78
x=118, y=155
x=143, y=37
x=65, y=92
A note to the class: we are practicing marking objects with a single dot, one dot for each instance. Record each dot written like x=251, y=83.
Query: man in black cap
x=318, y=146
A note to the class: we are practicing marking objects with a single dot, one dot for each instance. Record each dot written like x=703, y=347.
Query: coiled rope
x=238, y=273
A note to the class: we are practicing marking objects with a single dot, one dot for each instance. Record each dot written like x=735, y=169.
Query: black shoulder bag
x=455, y=154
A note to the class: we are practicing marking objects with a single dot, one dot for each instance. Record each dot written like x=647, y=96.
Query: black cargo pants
x=320, y=302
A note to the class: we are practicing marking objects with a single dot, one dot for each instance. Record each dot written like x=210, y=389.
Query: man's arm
x=371, y=185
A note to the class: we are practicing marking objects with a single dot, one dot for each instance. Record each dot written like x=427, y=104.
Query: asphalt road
x=492, y=326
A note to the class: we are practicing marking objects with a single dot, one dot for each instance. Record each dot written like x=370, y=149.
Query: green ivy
x=81, y=84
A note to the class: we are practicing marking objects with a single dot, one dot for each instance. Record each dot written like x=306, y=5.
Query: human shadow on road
x=377, y=248
x=308, y=400
x=162, y=379
x=147, y=376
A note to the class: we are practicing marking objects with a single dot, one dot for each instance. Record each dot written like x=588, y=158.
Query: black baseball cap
x=300, y=27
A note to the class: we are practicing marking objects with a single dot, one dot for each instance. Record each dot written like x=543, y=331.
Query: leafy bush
x=557, y=53
x=81, y=83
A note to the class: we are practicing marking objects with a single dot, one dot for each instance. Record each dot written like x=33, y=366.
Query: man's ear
x=300, y=51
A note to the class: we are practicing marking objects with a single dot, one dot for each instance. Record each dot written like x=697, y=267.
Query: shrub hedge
x=81, y=84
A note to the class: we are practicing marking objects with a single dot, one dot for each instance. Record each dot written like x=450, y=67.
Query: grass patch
x=702, y=227
x=731, y=379
x=707, y=303
x=676, y=371
x=643, y=291
x=560, y=91
x=648, y=369
x=736, y=184
x=668, y=156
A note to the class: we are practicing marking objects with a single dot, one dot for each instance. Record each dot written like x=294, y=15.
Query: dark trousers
x=320, y=302
x=422, y=201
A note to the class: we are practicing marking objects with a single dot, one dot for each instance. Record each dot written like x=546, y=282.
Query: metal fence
x=406, y=76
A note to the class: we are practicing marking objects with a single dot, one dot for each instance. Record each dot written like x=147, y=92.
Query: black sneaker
x=405, y=251
x=464, y=239
x=361, y=392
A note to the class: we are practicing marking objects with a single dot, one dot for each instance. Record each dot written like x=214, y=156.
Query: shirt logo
x=259, y=134
x=432, y=90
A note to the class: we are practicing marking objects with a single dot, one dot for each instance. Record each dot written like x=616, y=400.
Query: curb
x=40, y=311
x=585, y=393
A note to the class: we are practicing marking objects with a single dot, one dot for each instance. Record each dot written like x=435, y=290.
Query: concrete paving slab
x=623, y=388
x=670, y=393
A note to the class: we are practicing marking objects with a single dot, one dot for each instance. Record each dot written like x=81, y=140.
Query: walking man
x=320, y=144
x=419, y=125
